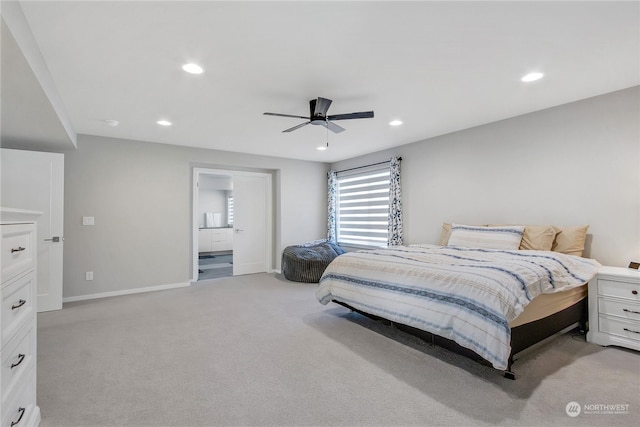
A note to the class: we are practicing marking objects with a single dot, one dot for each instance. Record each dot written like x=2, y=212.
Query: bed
x=470, y=295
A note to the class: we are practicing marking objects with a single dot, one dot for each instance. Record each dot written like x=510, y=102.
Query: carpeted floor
x=258, y=350
x=215, y=266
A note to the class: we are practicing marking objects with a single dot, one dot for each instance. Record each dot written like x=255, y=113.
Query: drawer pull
x=21, y=410
x=20, y=304
x=20, y=359
x=634, y=292
x=630, y=330
x=631, y=311
x=20, y=249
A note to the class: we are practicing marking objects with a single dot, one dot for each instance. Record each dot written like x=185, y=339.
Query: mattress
x=547, y=304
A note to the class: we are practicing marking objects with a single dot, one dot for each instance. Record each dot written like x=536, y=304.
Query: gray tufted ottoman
x=307, y=262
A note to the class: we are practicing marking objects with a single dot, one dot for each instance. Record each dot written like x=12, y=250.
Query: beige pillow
x=570, y=240
x=538, y=237
x=445, y=233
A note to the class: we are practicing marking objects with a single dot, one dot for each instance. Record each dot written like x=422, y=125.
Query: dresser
x=614, y=308
x=215, y=239
x=18, y=319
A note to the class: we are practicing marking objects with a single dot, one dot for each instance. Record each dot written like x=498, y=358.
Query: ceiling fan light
x=321, y=148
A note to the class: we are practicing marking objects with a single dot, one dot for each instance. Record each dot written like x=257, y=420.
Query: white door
x=251, y=219
x=35, y=181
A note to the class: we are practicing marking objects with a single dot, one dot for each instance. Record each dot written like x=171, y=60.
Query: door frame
x=197, y=171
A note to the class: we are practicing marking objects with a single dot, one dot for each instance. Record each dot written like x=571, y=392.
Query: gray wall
x=573, y=164
x=141, y=197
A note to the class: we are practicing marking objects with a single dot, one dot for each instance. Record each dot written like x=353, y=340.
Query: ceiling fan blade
x=296, y=127
x=360, y=115
x=334, y=127
x=322, y=106
x=285, y=115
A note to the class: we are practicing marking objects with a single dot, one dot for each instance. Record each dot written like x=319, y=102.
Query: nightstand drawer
x=630, y=291
x=619, y=308
x=621, y=328
x=18, y=305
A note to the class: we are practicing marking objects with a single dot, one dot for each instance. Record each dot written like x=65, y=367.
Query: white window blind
x=230, y=210
x=362, y=211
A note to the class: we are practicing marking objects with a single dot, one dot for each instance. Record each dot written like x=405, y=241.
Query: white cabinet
x=614, y=308
x=18, y=320
x=215, y=239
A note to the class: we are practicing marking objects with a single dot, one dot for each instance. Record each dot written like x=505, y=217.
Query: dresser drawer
x=621, y=328
x=18, y=250
x=619, y=289
x=21, y=410
x=621, y=308
x=18, y=305
x=18, y=360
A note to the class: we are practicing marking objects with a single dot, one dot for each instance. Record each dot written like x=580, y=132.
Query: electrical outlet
x=88, y=220
x=88, y=275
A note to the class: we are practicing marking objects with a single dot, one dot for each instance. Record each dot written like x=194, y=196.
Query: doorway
x=215, y=226
x=232, y=223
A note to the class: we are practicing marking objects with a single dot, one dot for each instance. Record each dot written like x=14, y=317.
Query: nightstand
x=614, y=308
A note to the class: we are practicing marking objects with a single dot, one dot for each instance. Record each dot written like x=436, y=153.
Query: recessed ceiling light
x=531, y=77
x=395, y=122
x=164, y=123
x=112, y=123
x=193, y=68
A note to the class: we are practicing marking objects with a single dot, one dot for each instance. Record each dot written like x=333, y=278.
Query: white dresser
x=614, y=308
x=18, y=319
x=215, y=239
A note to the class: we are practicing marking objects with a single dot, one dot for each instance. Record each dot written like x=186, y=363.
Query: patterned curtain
x=395, y=234
x=331, y=203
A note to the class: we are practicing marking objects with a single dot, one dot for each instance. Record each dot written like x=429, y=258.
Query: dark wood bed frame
x=522, y=337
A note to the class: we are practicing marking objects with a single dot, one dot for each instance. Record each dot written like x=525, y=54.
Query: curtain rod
x=366, y=166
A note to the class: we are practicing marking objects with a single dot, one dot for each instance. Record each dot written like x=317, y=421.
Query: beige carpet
x=259, y=350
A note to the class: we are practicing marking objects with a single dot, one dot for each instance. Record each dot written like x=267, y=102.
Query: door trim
x=197, y=171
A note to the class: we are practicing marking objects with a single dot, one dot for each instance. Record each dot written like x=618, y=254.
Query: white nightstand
x=614, y=308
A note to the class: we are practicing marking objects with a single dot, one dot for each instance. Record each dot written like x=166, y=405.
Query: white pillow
x=469, y=236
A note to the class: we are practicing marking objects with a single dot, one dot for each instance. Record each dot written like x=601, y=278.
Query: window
x=230, y=210
x=362, y=211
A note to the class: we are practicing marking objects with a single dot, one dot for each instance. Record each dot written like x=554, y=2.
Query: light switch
x=88, y=220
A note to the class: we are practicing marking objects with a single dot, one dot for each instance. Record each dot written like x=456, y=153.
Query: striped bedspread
x=466, y=295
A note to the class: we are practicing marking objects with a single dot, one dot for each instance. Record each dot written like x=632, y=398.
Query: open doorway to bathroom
x=215, y=226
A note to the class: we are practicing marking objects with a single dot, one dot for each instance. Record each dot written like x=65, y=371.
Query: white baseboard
x=126, y=292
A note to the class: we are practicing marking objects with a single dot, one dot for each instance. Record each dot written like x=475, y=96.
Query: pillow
x=446, y=232
x=536, y=237
x=508, y=237
x=570, y=240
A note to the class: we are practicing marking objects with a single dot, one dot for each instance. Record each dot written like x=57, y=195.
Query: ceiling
x=437, y=66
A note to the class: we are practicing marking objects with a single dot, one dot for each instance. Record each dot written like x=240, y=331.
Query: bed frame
x=522, y=337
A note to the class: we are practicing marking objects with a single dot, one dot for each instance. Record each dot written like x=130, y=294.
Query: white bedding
x=466, y=295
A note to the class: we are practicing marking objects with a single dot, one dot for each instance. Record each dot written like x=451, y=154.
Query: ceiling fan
x=318, y=116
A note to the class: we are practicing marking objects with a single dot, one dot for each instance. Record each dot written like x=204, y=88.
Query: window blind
x=230, y=210
x=362, y=215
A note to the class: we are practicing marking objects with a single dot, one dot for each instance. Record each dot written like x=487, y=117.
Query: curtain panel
x=395, y=234
x=332, y=178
